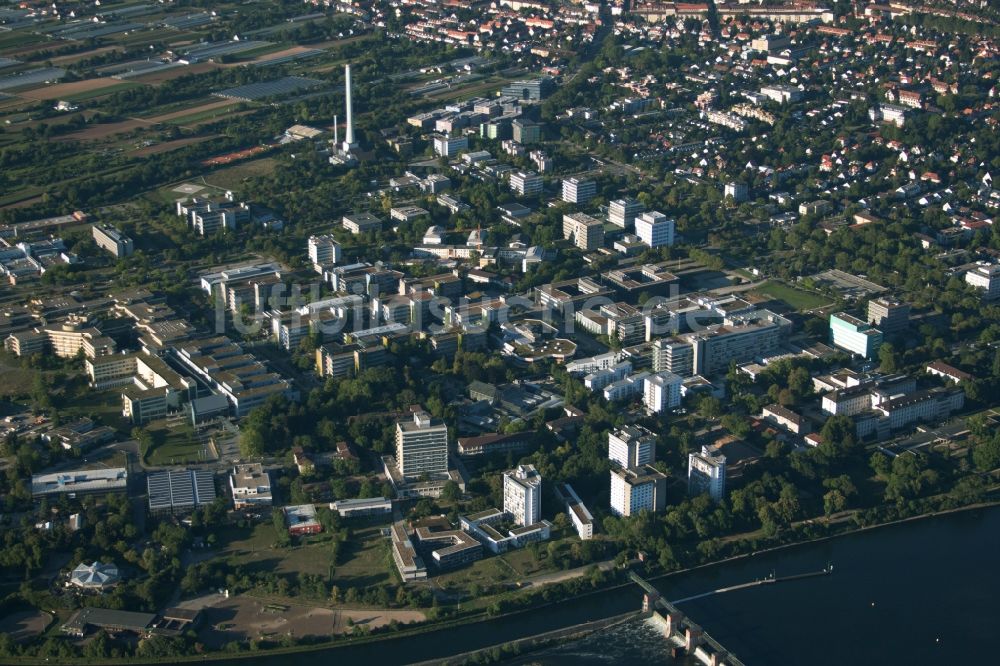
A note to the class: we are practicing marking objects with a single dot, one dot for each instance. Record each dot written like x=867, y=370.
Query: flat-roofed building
x=586, y=232
x=407, y=213
x=707, y=474
x=522, y=494
x=301, y=519
x=250, y=484
x=578, y=191
x=362, y=508
x=623, y=212
x=449, y=146
x=361, y=223
x=661, y=391
x=635, y=490
x=655, y=229
x=409, y=564
x=631, y=446
x=179, y=491
x=525, y=131
x=324, y=250
x=80, y=482
x=854, y=335
x=985, y=276
x=422, y=445
x=577, y=511
x=112, y=240
x=526, y=183
x=888, y=315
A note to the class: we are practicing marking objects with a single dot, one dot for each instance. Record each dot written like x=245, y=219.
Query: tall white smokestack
x=349, y=135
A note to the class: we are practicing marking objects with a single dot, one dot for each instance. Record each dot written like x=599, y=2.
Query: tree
x=888, y=358
x=451, y=492
x=986, y=454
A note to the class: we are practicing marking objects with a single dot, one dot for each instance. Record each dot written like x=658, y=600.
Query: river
x=921, y=592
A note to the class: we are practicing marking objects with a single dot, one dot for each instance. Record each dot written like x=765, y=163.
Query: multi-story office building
x=674, y=356
x=852, y=334
x=654, y=229
x=522, y=494
x=421, y=445
x=888, y=315
x=622, y=212
x=578, y=191
x=631, y=446
x=449, y=146
x=324, y=250
x=530, y=89
x=113, y=241
x=635, y=490
x=525, y=183
x=74, y=335
x=740, y=338
x=985, y=276
x=586, y=232
x=360, y=223
x=526, y=131
x=662, y=391
x=707, y=474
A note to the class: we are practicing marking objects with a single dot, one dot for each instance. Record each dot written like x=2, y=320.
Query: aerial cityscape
x=521, y=331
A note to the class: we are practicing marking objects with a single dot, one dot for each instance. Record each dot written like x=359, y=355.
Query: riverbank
x=533, y=643
x=517, y=623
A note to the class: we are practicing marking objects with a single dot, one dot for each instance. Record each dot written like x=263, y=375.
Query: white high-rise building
x=323, y=251
x=635, y=490
x=631, y=446
x=522, y=494
x=661, y=392
x=654, y=229
x=622, y=212
x=421, y=445
x=707, y=474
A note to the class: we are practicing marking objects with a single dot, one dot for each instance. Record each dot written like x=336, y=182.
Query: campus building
x=707, y=474
x=421, y=445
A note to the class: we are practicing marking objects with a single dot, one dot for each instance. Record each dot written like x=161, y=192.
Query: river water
x=923, y=592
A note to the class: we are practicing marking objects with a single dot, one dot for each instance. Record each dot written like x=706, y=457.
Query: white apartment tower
x=421, y=445
x=631, y=446
x=707, y=474
x=661, y=392
x=522, y=494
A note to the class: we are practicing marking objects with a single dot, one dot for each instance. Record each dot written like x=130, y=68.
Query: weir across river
x=683, y=634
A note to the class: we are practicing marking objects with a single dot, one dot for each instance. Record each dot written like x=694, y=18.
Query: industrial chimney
x=349, y=144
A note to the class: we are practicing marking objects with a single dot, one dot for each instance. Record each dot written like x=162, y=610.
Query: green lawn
x=796, y=298
x=362, y=559
x=174, y=444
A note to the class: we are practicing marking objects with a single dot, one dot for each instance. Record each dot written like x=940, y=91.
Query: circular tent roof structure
x=96, y=576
